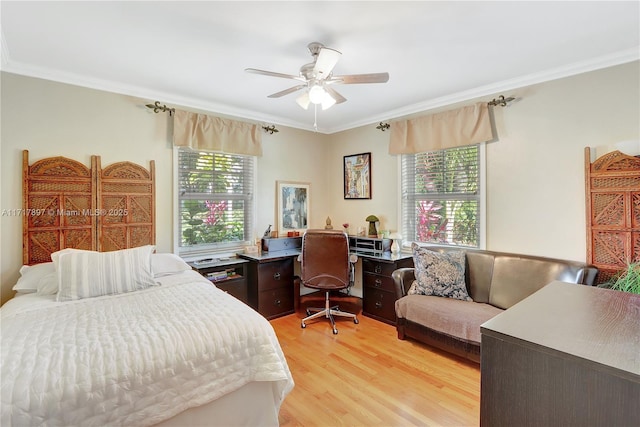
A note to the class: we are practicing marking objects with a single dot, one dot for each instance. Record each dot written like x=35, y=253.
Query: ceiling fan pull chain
x=315, y=117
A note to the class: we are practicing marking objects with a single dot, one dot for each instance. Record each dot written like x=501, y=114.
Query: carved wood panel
x=126, y=194
x=58, y=195
x=69, y=205
x=613, y=212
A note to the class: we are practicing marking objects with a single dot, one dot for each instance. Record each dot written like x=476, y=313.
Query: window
x=215, y=200
x=441, y=196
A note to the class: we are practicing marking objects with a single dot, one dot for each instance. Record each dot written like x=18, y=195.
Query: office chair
x=326, y=265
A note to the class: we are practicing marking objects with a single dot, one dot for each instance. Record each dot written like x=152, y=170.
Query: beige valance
x=203, y=132
x=455, y=128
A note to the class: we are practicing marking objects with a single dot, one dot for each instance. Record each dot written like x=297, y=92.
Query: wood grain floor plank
x=366, y=376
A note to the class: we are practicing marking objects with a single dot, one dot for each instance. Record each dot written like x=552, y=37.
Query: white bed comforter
x=132, y=359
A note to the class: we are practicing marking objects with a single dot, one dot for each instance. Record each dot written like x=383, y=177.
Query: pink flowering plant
x=210, y=221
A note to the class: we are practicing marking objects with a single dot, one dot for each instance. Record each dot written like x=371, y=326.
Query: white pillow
x=32, y=275
x=86, y=274
x=48, y=285
x=167, y=264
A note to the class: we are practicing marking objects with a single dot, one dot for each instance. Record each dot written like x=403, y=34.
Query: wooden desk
x=378, y=293
x=568, y=355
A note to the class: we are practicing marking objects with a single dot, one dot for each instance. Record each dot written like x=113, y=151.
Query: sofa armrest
x=402, y=279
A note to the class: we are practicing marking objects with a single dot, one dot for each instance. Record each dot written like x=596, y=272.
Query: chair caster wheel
x=355, y=320
x=335, y=332
x=308, y=312
x=303, y=325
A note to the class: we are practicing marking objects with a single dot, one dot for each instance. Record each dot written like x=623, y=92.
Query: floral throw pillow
x=439, y=274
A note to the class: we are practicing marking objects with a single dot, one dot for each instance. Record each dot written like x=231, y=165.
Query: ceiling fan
x=317, y=78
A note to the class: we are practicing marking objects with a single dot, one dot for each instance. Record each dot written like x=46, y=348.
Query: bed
x=128, y=336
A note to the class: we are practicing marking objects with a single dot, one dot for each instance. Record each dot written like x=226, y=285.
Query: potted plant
x=627, y=281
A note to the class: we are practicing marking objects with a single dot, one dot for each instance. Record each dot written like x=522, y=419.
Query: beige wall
x=54, y=119
x=535, y=172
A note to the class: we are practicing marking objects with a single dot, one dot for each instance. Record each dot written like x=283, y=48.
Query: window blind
x=441, y=196
x=215, y=200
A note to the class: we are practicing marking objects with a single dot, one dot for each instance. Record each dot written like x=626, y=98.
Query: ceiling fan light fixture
x=328, y=101
x=316, y=94
x=303, y=100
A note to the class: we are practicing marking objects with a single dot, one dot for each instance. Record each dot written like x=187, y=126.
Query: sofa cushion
x=439, y=274
x=515, y=277
x=459, y=319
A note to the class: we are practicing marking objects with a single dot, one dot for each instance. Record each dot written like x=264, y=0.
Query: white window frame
x=224, y=249
x=482, y=209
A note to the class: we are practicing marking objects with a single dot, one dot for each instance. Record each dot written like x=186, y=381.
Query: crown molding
x=605, y=61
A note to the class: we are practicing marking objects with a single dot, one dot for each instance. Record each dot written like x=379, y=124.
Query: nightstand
x=229, y=275
x=378, y=289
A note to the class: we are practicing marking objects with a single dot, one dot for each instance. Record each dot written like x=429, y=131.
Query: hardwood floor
x=366, y=376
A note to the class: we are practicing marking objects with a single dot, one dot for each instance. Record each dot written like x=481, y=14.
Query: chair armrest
x=402, y=279
x=590, y=276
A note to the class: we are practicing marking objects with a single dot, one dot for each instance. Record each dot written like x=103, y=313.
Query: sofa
x=494, y=281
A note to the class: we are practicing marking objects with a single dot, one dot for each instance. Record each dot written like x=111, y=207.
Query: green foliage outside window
x=446, y=189
x=215, y=198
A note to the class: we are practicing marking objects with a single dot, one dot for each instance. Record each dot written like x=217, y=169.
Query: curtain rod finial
x=270, y=129
x=157, y=108
x=383, y=126
x=500, y=101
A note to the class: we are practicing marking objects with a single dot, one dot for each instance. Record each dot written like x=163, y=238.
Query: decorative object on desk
x=267, y=232
x=357, y=176
x=372, y=219
x=361, y=231
x=346, y=227
x=293, y=206
x=251, y=249
x=328, y=225
x=395, y=246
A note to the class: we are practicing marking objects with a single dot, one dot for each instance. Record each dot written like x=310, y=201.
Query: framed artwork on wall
x=292, y=206
x=357, y=176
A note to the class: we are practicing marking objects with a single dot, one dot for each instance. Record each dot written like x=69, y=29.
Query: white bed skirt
x=255, y=404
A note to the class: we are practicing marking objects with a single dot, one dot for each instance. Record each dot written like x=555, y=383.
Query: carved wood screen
x=613, y=212
x=69, y=205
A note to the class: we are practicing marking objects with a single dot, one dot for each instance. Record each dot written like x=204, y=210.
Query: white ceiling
x=193, y=54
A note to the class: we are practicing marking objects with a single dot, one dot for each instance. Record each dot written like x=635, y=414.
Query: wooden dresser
x=378, y=290
x=566, y=355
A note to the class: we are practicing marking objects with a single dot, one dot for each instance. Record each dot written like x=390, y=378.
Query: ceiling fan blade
x=350, y=79
x=327, y=59
x=286, y=91
x=335, y=95
x=274, y=74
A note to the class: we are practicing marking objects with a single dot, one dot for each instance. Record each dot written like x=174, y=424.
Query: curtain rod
x=157, y=108
x=500, y=101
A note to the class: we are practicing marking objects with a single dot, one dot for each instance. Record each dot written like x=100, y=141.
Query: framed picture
x=293, y=206
x=357, y=176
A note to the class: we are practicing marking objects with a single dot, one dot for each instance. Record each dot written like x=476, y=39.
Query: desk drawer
x=377, y=281
x=380, y=305
x=276, y=302
x=383, y=268
x=277, y=274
